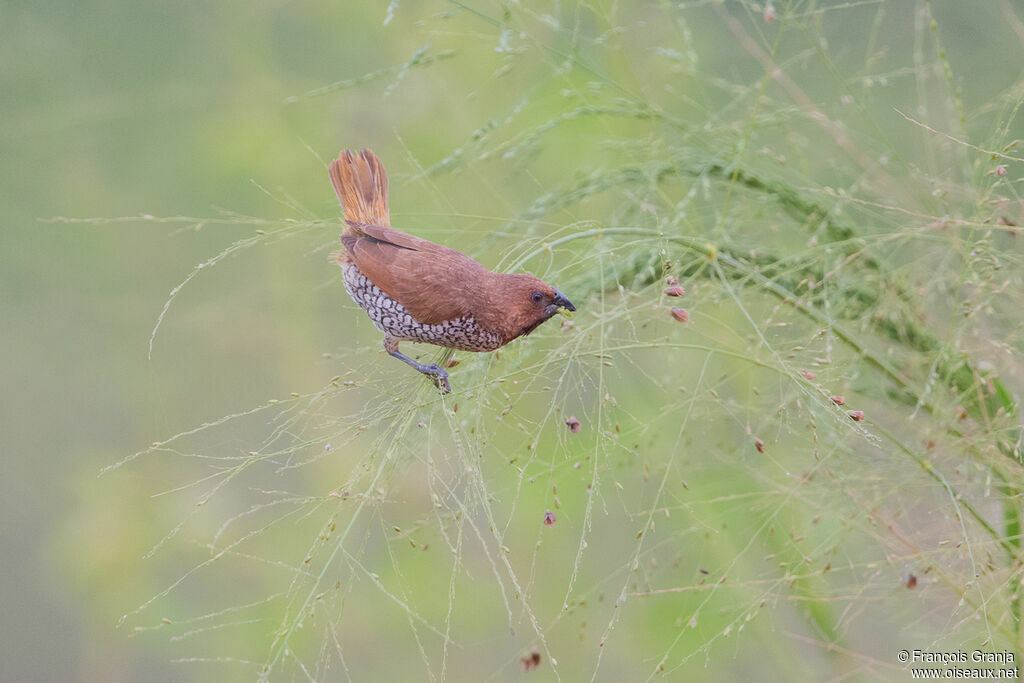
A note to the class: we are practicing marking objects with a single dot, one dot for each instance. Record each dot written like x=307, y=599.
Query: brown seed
x=856, y=415
x=681, y=314
x=452, y=363
x=961, y=413
x=808, y=374
x=839, y=400
x=910, y=581
x=759, y=445
x=675, y=290
x=530, y=661
x=573, y=424
x=549, y=518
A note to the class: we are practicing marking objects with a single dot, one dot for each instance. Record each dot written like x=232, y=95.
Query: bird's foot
x=433, y=371
x=439, y=376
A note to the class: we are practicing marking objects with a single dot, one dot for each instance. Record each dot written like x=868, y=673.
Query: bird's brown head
x=526, y=302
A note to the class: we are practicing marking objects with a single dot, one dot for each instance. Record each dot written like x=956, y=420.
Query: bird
x=419, y=291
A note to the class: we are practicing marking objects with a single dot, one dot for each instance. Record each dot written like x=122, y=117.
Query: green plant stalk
x=712, y=252
x=955, y=370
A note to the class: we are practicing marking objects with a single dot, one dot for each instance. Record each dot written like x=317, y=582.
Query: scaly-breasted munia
x=415, y=290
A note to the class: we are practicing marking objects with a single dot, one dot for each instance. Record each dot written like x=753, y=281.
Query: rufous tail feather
x=362, y=188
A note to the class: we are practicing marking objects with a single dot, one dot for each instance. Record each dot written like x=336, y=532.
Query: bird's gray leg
x=433, y=371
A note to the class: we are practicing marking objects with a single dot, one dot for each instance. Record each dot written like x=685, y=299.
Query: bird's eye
x=536, y=297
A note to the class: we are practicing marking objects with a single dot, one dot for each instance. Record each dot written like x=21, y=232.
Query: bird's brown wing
x=433, y=283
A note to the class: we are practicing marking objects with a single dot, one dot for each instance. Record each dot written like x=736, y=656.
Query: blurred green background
x=141, y=140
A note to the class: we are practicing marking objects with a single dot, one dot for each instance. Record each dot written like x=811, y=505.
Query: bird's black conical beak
x=562, y=301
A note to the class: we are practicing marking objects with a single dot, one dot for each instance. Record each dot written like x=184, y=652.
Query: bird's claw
x=439, y=376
